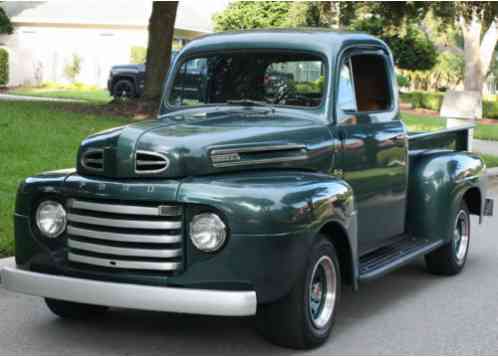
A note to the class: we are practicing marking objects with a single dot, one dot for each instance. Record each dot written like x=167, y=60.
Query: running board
x=388, y=258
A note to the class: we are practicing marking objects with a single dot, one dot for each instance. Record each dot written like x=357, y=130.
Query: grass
x=490, y=160
x=94, y=96
x=428, y=123
x=36, y=137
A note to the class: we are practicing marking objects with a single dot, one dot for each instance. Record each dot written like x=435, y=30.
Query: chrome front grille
x=125, y=236
x=93, y=160
x=148, y=162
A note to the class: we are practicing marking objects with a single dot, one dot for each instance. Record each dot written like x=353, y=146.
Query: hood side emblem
x=257, y=155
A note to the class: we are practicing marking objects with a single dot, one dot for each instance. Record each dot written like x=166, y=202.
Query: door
x=372, y=155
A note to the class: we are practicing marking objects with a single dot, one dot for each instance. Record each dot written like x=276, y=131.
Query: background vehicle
x=127, y=80
x=240, y=199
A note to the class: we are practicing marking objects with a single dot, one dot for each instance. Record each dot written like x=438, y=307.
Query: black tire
x=123, y=88
x=74, y=310
x=445, y=260
x=288, y=322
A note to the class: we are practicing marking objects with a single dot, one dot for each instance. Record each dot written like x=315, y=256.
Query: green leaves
x=5, y=24
x=251, y=14
x=4, y=66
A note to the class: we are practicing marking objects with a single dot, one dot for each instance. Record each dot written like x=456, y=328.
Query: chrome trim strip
x=118, y=237
x=151, y=153
x=124, y=223
x=272, y=160
x=258, y=148
x=131, y=296
x=124, y=209
x=130, y=252
x=124, y=264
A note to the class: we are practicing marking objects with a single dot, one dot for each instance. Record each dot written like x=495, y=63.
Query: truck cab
x=279, y=174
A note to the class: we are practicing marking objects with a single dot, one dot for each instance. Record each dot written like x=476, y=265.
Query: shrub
x=434, y=100
x=4, y=66
x=138, y=54
x=73, y=69
x=403, y=81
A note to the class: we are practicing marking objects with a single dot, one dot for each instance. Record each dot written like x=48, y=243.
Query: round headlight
x=207, y=232
x=51, y=218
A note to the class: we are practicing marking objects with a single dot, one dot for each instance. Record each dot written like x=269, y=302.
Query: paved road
x=407, y=312
x=485, y=147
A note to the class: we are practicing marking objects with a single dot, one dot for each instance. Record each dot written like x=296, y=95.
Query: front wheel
x=451, y=257
x=304, y=318
x=74, y=310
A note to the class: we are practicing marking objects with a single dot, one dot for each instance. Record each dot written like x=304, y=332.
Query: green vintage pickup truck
x=274, y=178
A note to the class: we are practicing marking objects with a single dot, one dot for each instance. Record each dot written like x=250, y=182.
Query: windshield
x=250, y=78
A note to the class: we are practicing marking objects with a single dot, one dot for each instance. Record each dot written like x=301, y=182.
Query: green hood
x=202, y=143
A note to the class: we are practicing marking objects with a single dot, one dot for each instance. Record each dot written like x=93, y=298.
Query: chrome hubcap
x=322, y=292
x=461, y=236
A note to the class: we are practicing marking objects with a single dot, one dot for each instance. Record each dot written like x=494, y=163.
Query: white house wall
x=41, y=53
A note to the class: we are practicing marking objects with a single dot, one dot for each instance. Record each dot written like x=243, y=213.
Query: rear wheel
x=451, y=257
x=304, y=318
x=74, y=310
x=123, y=88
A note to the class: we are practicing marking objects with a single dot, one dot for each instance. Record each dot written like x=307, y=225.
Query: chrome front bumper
x=181, y=300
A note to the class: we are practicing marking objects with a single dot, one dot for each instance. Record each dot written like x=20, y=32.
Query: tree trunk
x=161, y=28
x=488, y=45
x=472, y=54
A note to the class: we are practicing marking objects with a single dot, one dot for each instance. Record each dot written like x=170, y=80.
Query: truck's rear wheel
x=304, y=318
x=74, y=310
x=451, y=257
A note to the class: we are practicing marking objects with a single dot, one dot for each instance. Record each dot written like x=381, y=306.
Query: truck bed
x=455, y=138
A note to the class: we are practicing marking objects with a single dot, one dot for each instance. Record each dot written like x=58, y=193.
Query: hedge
x=4, y=66
x=434, y=100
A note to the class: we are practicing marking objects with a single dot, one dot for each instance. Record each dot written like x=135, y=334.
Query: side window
x=346, y=100
x=371, y=83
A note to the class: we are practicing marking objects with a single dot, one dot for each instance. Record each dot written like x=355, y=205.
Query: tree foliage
x=412, y=49
x=245, y=15
x=5, y=24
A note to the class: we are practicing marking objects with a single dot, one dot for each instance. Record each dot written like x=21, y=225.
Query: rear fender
x=438, y=183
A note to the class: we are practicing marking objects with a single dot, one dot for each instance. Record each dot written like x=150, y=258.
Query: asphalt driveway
x=407, y=312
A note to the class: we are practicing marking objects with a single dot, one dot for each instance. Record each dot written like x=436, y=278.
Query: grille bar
x=122, y=237
x=124, y=264
x=123, y=223
x=171, y=211
x=117, y=235
x=130, y=252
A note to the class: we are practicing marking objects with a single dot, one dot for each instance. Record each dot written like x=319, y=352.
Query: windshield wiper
x=247, y=102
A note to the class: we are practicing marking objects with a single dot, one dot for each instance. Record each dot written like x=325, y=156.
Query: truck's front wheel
x=304, y=318
x=451, y=257
x=74, y=310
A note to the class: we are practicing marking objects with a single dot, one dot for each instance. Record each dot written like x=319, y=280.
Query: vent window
x=150, y=162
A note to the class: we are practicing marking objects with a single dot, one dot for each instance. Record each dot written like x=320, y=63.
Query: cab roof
x=324, y=41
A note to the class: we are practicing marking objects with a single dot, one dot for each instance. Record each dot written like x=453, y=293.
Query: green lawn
x=36, y=137
x=95, y=96
x=425, y=123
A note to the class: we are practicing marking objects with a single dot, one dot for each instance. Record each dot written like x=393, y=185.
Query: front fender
x=273, y=219
x=438, y=182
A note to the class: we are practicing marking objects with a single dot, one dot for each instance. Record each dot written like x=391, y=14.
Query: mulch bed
x=406, y=108
x=133, y=109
